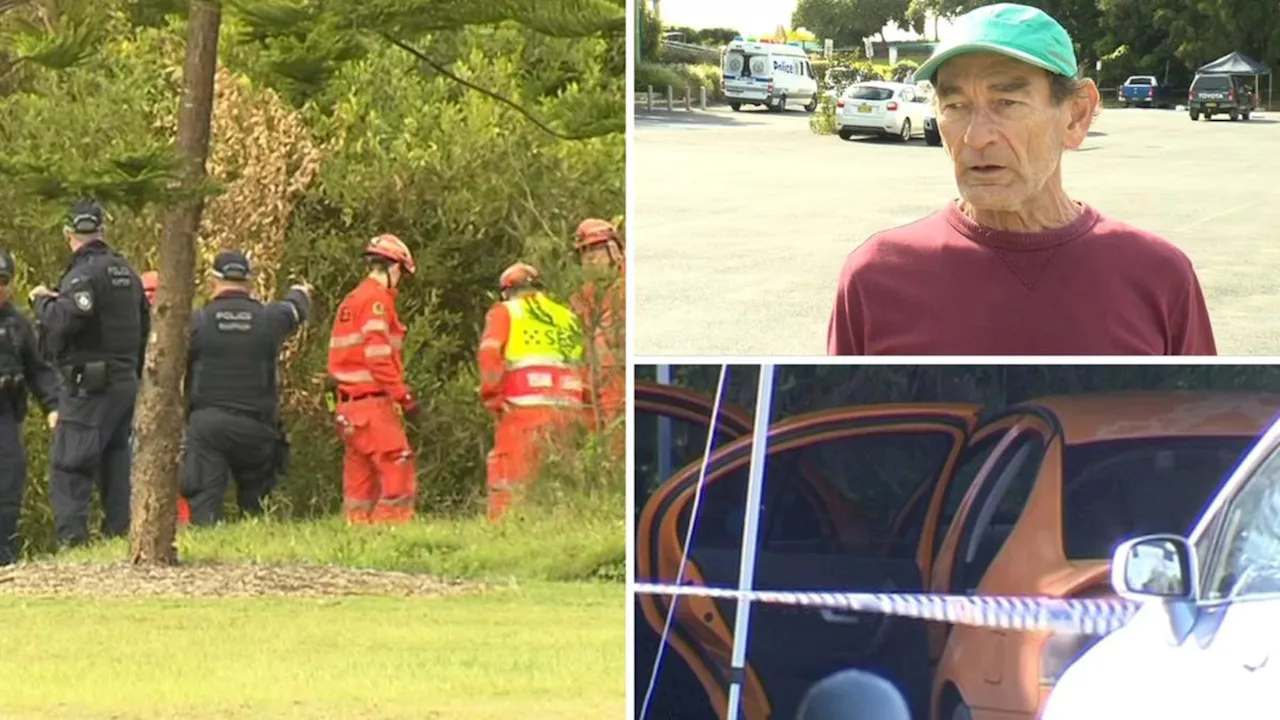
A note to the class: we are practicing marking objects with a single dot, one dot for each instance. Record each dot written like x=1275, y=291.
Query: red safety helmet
x=390, y=247
x=518, y=275
x=594, y=231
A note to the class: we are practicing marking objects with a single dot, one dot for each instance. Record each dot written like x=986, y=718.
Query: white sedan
x=881, y=108
x=1200, y=646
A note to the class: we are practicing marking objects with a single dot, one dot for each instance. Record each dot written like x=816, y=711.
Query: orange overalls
x=379, y=477
x=530, y=360
x=603, y=313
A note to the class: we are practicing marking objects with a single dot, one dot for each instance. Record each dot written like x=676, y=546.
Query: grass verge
x=556, y=547
x=547, y=650
x=543, y=637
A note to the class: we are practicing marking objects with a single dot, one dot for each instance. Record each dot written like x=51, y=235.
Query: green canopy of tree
x=1167, y=38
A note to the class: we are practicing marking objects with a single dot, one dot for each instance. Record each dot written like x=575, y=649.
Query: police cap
x=85, y=217
x=231, y=265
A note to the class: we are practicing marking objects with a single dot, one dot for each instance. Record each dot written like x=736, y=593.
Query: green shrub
x=385, y=146
x=823, y=122
x=820, y=68
x=657, y=76
x=900, y=70
x=857, y=71
x=682, y=77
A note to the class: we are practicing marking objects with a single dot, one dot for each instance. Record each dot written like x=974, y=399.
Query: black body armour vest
x=234, y=356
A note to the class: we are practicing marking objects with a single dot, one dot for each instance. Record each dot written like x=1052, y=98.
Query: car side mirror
x=1155, y=567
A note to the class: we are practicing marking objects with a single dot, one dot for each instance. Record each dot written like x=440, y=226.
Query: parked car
x=1047, y=525
x=931, y=134
x=1201, y=641
x=1145, y=91
x=1216, y=94
x=881, y=108
x=678, y=694
x=901, y=498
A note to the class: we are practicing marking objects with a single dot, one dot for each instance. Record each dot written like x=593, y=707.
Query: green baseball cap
x=1017, y=31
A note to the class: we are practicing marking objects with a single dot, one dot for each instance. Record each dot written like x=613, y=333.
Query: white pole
x=750, y=528
x=664, y=431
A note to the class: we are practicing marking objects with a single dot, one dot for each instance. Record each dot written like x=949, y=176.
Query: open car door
x=824, y=472
x=686, y=415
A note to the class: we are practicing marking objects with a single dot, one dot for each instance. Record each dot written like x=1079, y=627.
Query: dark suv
x=1212, y=94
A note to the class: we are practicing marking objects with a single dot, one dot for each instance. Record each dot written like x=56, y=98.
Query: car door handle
x=840, y=617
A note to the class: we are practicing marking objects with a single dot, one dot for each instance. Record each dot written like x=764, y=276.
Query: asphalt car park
x=743, y=220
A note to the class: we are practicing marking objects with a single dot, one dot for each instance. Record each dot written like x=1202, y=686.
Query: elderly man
x=1015, y=266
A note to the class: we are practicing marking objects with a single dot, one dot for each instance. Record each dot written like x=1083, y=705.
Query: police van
x=768, y=73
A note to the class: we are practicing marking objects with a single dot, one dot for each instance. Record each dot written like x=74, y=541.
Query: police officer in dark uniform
x=22, y=371
x=233, y=424
x=95, y=328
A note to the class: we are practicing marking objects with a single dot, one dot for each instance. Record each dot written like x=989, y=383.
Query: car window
x=868, y=92
x=1118, y=489
x=1212, y=82
x=997, y=507
x=1247, y=559
x=965, y=473
x=839, y=496
x=688, y=442
x=1140, y=80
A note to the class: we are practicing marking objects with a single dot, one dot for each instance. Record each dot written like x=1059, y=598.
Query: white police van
x=1206, y=641
x=768, y=73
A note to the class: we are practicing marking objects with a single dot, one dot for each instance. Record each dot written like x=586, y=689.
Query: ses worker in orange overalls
x=151, y=283
x=368, y=392
x=530, y=361
x=602, y=305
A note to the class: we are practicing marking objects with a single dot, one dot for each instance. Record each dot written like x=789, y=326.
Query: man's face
x=598, y=256
x=1004, y=133
x=6, y=291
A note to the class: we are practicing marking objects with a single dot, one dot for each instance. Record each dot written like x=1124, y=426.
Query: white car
x=1201, y=645
x=881, y=108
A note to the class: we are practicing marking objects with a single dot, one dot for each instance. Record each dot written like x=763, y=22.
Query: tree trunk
x=161, y=402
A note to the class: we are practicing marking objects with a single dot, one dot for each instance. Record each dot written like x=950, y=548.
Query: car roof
x=1126, y=415
x=882, y=84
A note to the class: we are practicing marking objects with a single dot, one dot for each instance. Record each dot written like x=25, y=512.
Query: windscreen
x=868, y=92
x=1212, y=82
x=1119, y=489
x=740, y=64
x=1140, y=80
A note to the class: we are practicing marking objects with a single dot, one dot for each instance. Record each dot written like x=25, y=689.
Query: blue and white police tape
x=1084, y=616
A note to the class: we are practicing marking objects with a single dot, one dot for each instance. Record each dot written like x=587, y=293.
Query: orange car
x=827, y=473
x=687, y=415
x=1062, y=481
x=941, y=493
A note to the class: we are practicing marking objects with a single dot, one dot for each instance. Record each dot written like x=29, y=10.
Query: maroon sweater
x=946, y=286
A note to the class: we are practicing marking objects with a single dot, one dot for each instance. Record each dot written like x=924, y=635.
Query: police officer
x=96, y=326
x=233, y=426
x=22, y=370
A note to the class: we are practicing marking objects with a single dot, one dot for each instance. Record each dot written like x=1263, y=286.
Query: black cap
x=85, y=217
x=7, y=268
x=231, y=265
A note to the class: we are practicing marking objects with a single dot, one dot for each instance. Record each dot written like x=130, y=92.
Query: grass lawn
x=539, y=640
